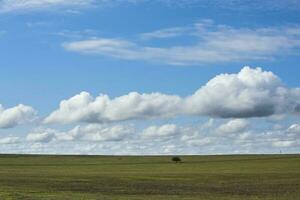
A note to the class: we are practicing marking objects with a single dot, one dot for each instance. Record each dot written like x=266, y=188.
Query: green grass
x=248, y=177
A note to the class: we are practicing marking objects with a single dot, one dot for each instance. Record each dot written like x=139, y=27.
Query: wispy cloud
x=32, y=5
x=72, y=34
x=165, y=33
x=213, y=43
x=237, y=5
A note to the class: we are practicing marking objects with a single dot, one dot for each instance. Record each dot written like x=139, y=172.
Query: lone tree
x=176, y=159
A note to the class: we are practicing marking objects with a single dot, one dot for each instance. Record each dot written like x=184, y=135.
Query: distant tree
x=176, y=159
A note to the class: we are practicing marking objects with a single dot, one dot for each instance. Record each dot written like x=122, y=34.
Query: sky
x=149, y=77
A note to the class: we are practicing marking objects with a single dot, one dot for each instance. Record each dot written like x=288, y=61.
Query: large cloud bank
x=250, y=93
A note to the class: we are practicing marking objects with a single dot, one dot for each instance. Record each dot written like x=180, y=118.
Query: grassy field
x=198, y=177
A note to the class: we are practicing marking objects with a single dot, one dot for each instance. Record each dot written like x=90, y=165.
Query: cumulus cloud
x=269, y=138
x=283, y=143
x=41, y=135
x=250, y=93
x=233, y=126
x=14, y=116
x=96, y=132
x=212, y=43
x=200, y=141
x=91, y=132
x=113, y=139
x=237, y=134
x=86, y=108
x=10, y=140
x=160, y=132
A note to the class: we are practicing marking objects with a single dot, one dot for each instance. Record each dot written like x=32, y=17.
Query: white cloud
x=90, y=132
x=243, y=136
x=96, y=132
x=83, y=107
x=41, y=135
x=169, y=149
x=249, y=93
x=14, y=116
x=165, y=33
x=71, y=34
x=238, y=135
x=233, y=126
x=213, y=43
x=31, y=5
x=295, y=128
x=160, y=132
x=70, y=6
x=236, y=5
x=9, y=140
x=283, y=143
x=200, y=142
x=113, y=139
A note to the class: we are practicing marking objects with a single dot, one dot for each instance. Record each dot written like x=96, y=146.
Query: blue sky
x=128, y=71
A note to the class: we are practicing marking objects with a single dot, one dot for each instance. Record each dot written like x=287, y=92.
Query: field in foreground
x=143, y=178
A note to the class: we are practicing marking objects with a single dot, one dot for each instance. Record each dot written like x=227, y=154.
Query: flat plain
x=238, y=177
